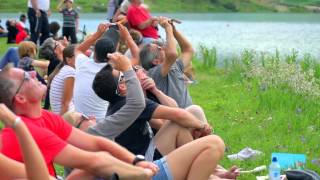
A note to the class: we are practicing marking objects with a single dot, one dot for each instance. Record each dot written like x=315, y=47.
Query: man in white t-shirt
x=85, y=100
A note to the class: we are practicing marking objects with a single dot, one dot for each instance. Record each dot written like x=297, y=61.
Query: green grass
x=246, y=114
x=180, y=5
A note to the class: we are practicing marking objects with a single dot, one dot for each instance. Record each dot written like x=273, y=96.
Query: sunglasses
x=120, y=79
x=26, y=77
x=83, y=118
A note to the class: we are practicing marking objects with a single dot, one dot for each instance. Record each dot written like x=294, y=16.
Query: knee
x=216, y=143
x=194, y=109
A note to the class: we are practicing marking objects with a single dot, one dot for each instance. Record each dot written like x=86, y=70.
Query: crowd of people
x=114, y=106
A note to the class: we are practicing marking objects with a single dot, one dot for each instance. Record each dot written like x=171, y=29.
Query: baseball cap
x=107, y=44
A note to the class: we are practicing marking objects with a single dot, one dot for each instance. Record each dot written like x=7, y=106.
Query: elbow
x=172, y=54
x=141, y=105
x=190, y=50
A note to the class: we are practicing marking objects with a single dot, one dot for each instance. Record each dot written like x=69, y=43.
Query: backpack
x=297, y=174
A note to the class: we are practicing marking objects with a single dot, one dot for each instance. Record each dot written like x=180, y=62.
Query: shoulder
x=179, y=63
x=68, y=69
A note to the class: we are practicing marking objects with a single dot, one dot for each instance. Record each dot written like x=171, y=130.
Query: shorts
x=164, y=172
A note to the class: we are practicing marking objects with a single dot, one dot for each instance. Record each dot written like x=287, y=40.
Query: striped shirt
x=57, y=86
x=69, y=17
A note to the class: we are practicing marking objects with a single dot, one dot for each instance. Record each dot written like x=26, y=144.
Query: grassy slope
x=180, y=5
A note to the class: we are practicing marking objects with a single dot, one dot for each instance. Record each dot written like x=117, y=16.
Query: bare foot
x=232, y=173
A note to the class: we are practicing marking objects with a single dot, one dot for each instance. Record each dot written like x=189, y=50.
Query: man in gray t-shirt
x=164, y=65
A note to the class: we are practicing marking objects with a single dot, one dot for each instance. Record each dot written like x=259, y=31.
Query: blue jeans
x=11, y=56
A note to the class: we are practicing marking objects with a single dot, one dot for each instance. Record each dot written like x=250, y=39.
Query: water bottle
x=274, y=169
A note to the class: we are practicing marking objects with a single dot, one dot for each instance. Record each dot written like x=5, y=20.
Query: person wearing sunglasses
x=11, y=169
x=59, y=142
x=165, y=67
x=172, y=148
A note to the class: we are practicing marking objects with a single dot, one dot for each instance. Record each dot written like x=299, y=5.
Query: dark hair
x=7, y=87
x=54, y=28
x=104, y=84
x=102, y=48
x=68, y=52
x=46, y=50
x=147, y=56
x=22, y=17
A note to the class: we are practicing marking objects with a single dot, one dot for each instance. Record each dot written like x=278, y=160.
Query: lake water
x=231, y=33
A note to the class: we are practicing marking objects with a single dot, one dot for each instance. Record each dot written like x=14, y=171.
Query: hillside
x=188, y=5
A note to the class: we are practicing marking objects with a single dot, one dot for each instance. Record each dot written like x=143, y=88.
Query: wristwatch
x=138, y=158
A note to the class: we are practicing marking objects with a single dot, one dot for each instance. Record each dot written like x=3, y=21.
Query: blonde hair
x=27, y=49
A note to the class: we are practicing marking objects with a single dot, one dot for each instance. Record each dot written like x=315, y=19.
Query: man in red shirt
x=58, y=141
x=140, y=19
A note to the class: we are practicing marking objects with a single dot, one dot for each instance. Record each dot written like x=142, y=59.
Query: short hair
x=22, y=17
x=46, y=51
x=102, y=48
x=27, y=49
x=105, y=85
x=54, y=27
x=147, y=56
x=7, y=87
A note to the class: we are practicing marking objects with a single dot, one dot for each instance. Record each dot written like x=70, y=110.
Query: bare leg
x=170, y=137
x=196, y=159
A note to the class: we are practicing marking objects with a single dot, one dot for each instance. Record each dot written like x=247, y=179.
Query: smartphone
x=114, y=26
x=176, y=21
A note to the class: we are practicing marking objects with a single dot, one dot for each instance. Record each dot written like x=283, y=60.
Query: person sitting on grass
x=165, y=67
x=178, y=162
x=61, y=83
x=34, y=167
x=55, y=137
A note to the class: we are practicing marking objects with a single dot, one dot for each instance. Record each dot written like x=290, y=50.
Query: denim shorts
x=164, y=172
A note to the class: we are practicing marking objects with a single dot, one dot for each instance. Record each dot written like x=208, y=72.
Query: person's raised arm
x=113, y=125
x=134, y=49
x=187, y=50
x=59, y=6
x=170, y=48
x=34, y=163
x=85, y=45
